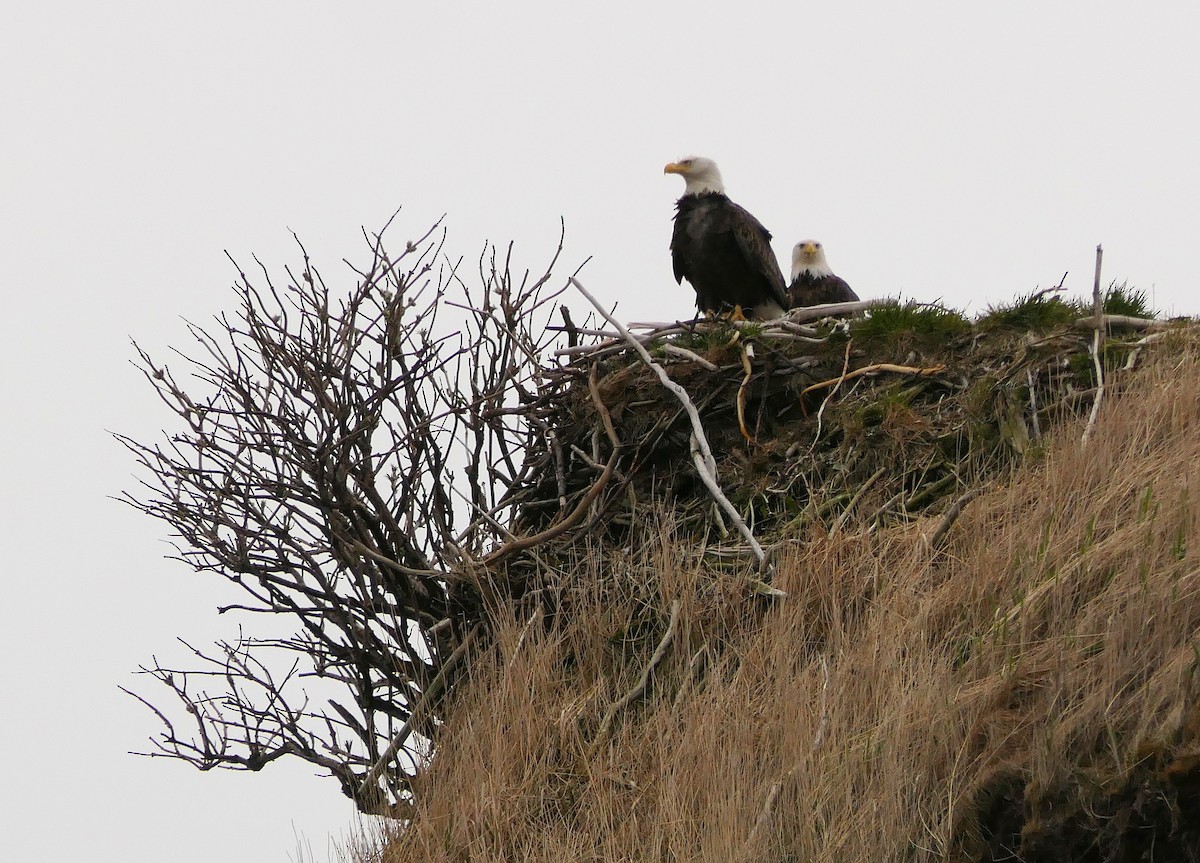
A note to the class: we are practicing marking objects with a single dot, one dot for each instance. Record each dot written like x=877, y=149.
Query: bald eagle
x=721, y=249
x=813, y=282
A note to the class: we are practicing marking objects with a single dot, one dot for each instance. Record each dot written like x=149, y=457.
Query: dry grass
x=899, y=705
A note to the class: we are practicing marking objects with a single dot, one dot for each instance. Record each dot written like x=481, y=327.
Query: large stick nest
x=860, y=422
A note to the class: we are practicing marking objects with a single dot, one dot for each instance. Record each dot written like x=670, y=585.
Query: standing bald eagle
x=813, y=282
x=721, y=249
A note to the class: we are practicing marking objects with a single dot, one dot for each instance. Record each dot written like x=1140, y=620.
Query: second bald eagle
x=721, y=249
x=813, y=282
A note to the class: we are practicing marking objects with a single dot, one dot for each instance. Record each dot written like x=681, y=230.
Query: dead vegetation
x=821, y=589
x=1030, y=693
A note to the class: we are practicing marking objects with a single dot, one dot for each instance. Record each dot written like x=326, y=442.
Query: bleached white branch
x=1137, y=349
x=675, y=350
x=702, y=455
x=815, y=313
x=1097, y=344
x=1133, y=323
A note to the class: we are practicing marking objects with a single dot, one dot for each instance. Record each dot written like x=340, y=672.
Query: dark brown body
x=810, y=290
x=725, y=253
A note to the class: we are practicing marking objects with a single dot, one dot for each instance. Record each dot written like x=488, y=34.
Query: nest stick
x=538, y=614
x=723, y=502
x=706, y=464
x=1137, y=349
x=815, y=313
x=584, y=504
x=1097, y=345
x=1128, y=321
x=837, y=382
x=1033, y=408
x=747, y=353
x=862, y=489
x=695, y=668
x=691, y=355
x=952, y=514
x=876, y=367
x=613, y=341
x=678, y=391
x=643, y=681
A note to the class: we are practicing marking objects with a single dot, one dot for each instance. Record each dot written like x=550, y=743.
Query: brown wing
x=755, y=243
x=809, y=290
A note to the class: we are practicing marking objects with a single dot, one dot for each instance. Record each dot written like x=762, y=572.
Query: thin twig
x=643, y=681
x=939, y=536
x=706, y=464
x=1037, y=295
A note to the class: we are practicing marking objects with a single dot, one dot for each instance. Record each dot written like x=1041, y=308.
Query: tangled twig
x=706, y=464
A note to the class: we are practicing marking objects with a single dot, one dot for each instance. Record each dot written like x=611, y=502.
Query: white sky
x=944, y=150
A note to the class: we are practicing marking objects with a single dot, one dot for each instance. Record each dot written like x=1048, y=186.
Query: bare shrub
x=345, y=459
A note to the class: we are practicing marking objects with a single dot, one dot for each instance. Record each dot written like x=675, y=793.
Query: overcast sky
x=958, y=151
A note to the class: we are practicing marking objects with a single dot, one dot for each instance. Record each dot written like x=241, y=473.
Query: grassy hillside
x=1027, y=689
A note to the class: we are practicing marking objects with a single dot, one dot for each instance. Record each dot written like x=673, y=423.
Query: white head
x=701, y=175
x=808, y=256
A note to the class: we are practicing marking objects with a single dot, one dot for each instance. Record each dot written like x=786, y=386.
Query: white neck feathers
x=708, y=181
x=816, y=268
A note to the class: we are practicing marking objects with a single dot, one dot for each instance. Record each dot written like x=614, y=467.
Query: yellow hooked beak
x=810, y=250
x=675, y=168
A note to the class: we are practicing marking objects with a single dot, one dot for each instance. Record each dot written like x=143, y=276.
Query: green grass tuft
x=1036, y=311
x=911, y=324
x=1123, y=300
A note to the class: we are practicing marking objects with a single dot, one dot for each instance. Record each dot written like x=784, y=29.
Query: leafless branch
x=325, y=440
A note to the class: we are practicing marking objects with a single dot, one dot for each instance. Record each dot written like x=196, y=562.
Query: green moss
x=1083, y=367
